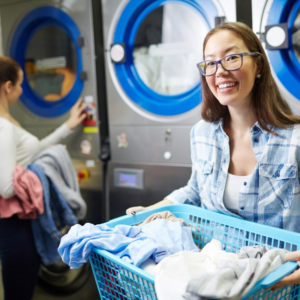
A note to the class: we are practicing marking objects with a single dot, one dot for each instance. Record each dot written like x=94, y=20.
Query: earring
x=258, y=76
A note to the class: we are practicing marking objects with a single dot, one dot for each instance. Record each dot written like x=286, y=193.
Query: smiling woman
x=246, y=150
x=237, y=38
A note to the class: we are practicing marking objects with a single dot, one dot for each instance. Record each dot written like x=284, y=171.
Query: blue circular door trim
x=126, y=29
x=284, y=61
x=32, y=22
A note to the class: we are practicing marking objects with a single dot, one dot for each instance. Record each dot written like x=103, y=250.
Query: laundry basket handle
x=278, y=274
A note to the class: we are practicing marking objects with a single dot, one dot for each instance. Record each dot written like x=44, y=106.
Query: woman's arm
x=77, y=115
x=8, y=158
x=293, y=278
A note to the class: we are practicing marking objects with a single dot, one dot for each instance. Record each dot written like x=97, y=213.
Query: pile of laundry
x=163, y=245
x=48, y=194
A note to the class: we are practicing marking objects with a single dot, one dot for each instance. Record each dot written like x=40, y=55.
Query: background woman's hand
x=77, y=114
x=293, y=278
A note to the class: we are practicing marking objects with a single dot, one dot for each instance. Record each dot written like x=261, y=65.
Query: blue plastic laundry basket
x=117, y=279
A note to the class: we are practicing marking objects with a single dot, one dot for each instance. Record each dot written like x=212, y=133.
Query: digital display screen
x=128, y=179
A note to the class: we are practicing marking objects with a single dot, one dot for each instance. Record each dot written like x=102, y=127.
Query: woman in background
x=20, y=261
x=246, y=150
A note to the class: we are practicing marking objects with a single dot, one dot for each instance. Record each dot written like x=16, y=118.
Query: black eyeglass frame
x=241, y=54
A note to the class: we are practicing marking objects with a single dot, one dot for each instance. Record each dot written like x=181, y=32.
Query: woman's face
x=16, y=90
x=218, y=45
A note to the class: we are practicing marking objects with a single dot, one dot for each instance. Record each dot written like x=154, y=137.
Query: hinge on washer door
x=80, y=41
x=83, y=75
x=219, y=20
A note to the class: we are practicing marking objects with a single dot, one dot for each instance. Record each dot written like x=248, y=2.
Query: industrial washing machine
x=53, y=41
x=277, y=22
x=153, y=92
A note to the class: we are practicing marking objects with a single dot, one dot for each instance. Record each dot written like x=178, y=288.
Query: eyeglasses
x=229, y=62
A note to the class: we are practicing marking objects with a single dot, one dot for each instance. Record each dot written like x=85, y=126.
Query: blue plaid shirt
x=271, y=195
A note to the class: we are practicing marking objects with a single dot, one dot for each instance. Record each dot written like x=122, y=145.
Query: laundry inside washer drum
x=59, y=279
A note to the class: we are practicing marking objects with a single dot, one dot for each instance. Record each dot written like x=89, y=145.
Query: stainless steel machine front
x=153, y=92
x=278, y=25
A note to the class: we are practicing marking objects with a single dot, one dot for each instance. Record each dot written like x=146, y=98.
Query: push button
x=277, y=174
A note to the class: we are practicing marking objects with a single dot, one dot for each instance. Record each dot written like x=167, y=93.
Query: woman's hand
x=293, y=278
x=133, y=210
x=77, y=114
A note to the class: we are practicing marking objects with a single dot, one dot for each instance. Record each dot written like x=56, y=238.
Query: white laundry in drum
x=169, y=67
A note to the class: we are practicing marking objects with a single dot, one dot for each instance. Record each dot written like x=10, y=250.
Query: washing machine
x=277, y=22
x=154, y=92
x=53, y=41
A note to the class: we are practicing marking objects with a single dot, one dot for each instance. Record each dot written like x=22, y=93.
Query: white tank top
x=232, y=189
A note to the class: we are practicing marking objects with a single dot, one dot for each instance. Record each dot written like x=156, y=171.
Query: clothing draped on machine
x=28, y=201
x=57, y=218
x=58, y=166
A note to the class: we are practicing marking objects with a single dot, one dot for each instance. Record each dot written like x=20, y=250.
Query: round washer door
x=45, y=44
x=162, y=43
x=286, y=62
x=59, y=280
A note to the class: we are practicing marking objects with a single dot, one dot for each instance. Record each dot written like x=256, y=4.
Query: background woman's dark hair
x=271, y=109
x=9, y=70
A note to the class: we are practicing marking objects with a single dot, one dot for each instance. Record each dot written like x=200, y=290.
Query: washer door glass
x=51, y=63
x=296, y=36
x=167, y=47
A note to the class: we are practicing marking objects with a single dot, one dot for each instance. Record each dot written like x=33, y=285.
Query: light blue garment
x=271, y=195
x=133, y=244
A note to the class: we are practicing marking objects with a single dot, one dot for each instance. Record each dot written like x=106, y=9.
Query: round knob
x=83, y=174
x=276, y=36
x=80, y=175
x=117, y=53
x=167, y=155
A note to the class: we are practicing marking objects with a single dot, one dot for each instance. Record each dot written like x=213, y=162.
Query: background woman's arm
x=8, y=156
x=77, y=115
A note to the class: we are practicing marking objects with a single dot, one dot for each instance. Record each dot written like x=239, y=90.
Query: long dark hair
x=9, y=70
x=270, y=108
